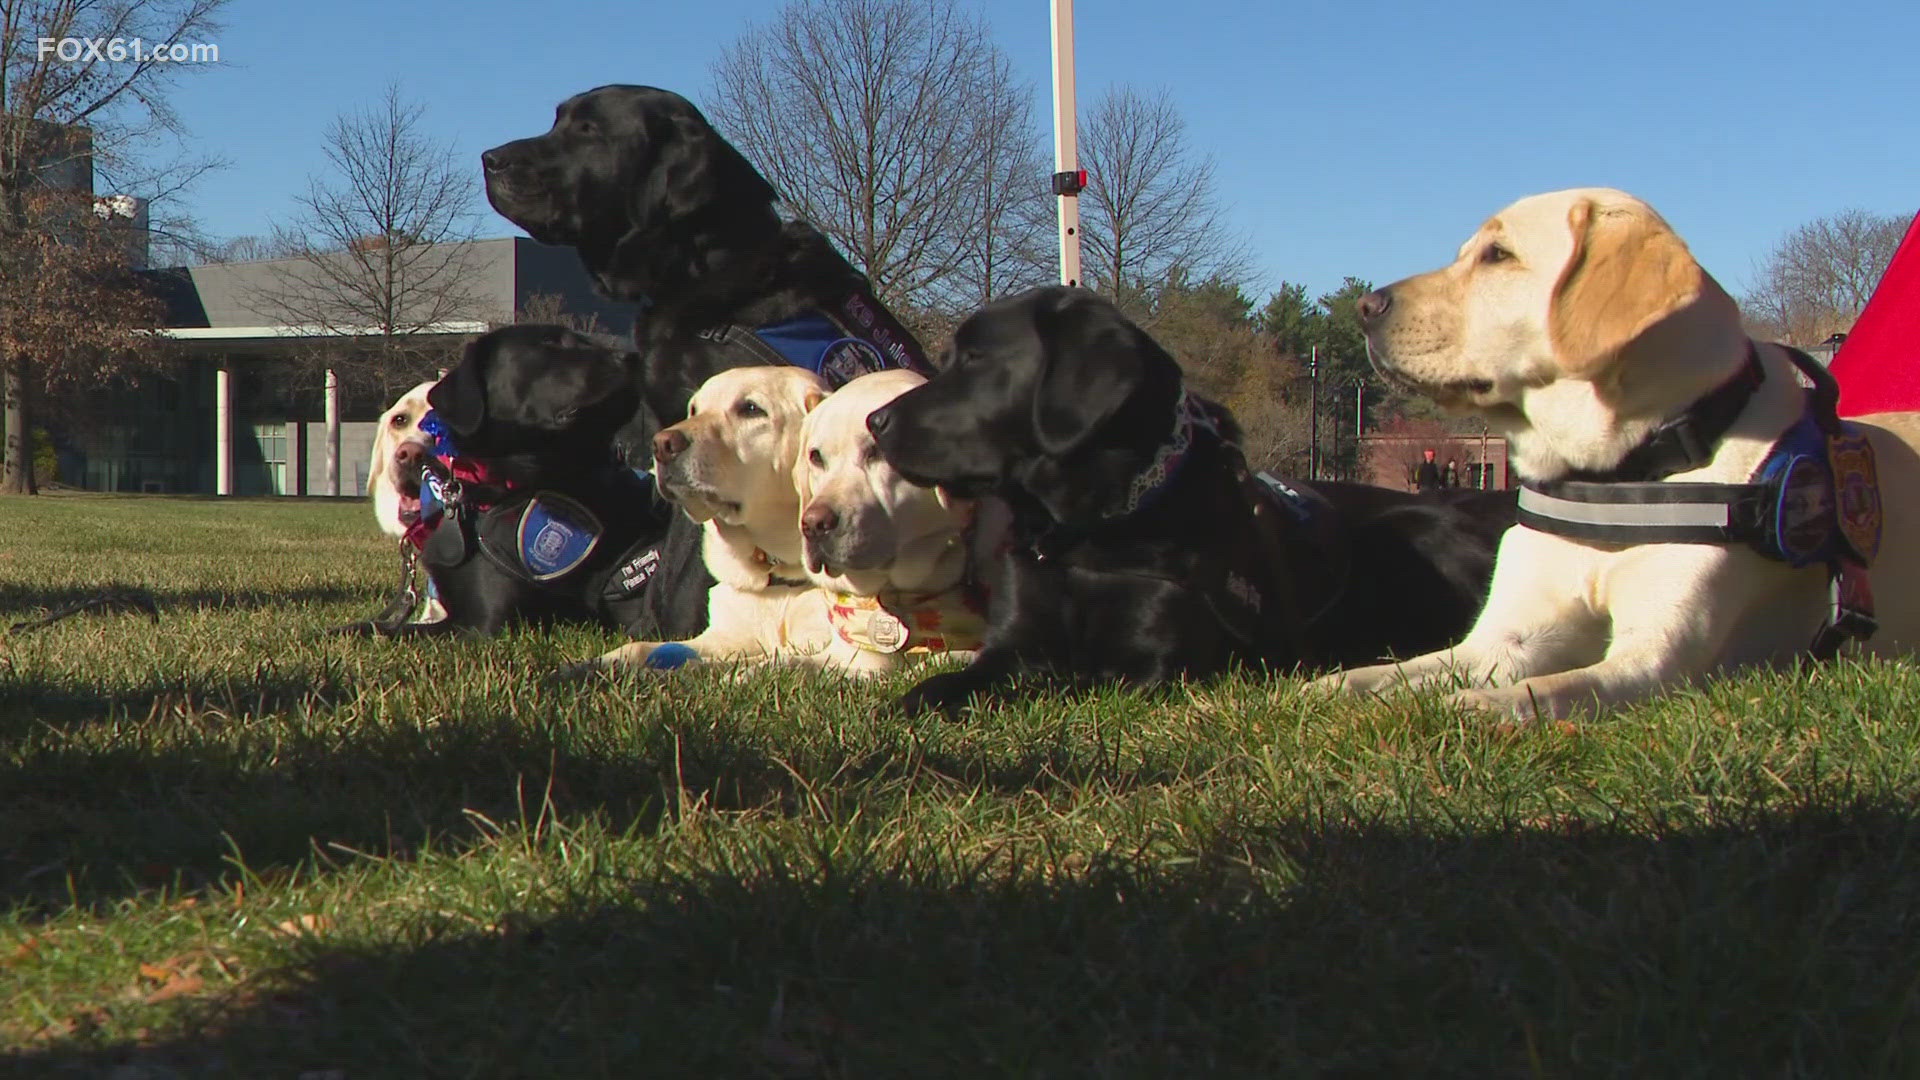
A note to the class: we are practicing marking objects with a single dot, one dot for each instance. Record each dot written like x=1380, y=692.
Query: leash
x=406, y=597
x=124, y=598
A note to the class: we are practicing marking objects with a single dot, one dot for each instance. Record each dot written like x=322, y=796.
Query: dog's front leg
x=949, y=691
x=1535, y=621
x=1671, y=616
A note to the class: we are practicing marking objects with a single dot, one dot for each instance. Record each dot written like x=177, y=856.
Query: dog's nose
x=493, y=160
x=880, y=420
x=819, y=519
x=1373, y=305
x=670, y=443
x=408, y=456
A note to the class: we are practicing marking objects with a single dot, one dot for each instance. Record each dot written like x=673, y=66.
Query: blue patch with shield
x=556, y=535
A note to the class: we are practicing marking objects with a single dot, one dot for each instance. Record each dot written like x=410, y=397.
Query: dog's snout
x=818, y=520
x=1373, y=305
x=408, y=455
x=493, y=160
x=670, y=443
x=879, y=420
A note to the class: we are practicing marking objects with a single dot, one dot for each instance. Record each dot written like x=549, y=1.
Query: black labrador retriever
x=527, y=513
x=668, y=215
x=1144, y=550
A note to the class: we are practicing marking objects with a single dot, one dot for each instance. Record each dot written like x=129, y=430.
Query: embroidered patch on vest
x=1856, y=482
x=556, y=535
x=1803, y=512
x=632, y=576
x=849, y=358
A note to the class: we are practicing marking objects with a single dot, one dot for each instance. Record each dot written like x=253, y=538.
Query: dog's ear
x=1092, y=360
x=693, y=169
x=459, y=399
x=802, y=473
x=1629, y=272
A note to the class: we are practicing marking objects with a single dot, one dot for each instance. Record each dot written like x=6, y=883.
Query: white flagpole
x=1066, y=155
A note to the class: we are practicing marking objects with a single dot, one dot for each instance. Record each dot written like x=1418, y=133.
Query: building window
x=273, y=455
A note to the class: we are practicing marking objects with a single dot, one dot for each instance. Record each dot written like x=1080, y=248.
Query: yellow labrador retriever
x=729, y=465
x=897, y=561
x=398, y=427
x=1579, y=325
x=394, y=510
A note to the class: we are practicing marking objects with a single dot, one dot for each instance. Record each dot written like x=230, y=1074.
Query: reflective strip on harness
x=1652, y=513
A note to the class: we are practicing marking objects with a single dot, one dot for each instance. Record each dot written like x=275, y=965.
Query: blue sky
x=1350, y=138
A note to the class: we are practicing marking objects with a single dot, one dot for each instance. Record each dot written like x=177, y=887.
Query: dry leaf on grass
x=25, y=951
x=305, y=924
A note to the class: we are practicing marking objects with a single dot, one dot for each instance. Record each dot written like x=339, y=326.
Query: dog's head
x=1050, y=394
x=630, y=176
x=1588, y=285
x=393, y=474
x=865, y=527
x=537, y=392
x=731, y=459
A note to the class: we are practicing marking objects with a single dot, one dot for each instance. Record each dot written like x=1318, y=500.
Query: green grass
x=229, y=847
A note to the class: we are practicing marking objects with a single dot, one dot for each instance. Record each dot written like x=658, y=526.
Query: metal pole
x=1313, y=413
x=1066, y=154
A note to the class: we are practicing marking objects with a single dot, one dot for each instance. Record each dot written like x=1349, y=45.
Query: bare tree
x=897, y=128
x=1150, y=207
x=1820, y=275
x=70, y=310
x=378, y=253
x=552, y=309
x=245, y=249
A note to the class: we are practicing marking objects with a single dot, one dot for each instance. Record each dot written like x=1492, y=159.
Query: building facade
x=247, y=405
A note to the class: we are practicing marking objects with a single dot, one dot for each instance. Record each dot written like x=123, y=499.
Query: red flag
x=1878, y=366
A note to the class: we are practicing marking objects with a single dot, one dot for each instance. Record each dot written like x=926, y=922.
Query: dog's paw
x=1363, y=680
x=1517, y=704
x=1331, y=685
x=946, y=693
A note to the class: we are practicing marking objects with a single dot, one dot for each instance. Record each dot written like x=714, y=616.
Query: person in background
x=1452, y=476
x=1426, y=477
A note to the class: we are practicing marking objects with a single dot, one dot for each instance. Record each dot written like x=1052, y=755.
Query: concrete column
x=333, y=433
x=223, y=431
x=296, y=458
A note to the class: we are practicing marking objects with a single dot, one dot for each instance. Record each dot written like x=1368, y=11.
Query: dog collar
x=1149, y=483
x=1687, y=441
x=773, y=565
x=896, y=622
x=1190, y=415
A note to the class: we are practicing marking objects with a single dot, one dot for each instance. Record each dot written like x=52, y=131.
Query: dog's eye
x=748, y=408
x=816, y=459
x=586, y=127
x=1494, y=253
x=401, y=419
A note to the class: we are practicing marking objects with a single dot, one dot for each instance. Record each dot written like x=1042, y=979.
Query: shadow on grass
x=1783, y=945
x=29, y=701
x=18, y=601
x=215, y=767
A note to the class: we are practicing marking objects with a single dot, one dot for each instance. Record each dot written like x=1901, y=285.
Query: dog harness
x=1815, y=499
x=542, y=537
x=856, y=337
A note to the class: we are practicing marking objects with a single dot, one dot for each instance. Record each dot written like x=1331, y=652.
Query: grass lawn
x=229, y=847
